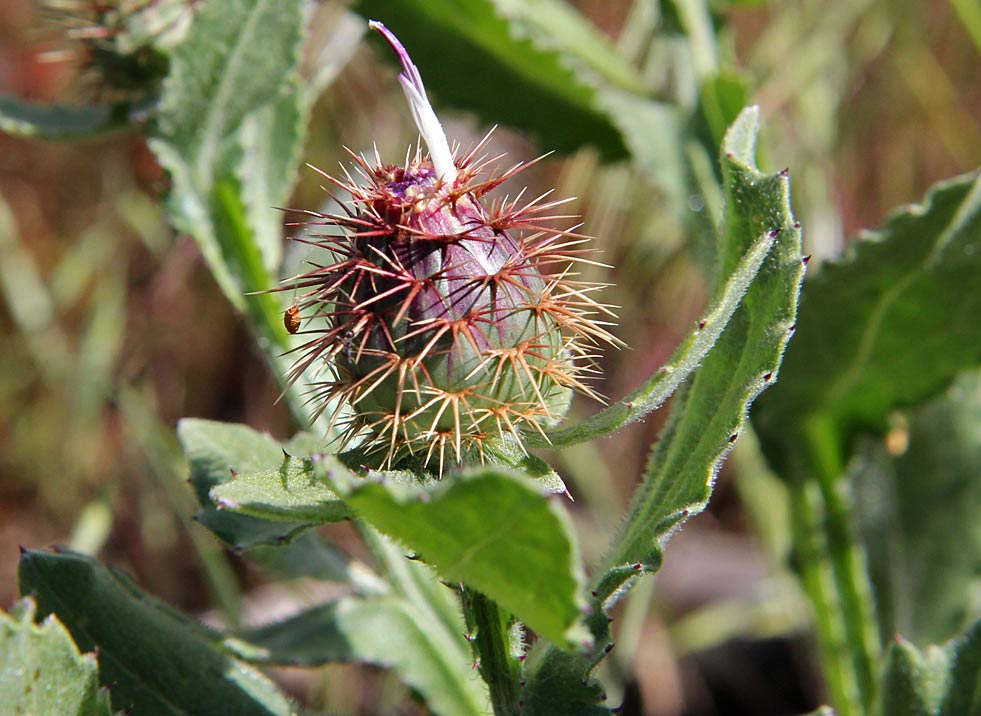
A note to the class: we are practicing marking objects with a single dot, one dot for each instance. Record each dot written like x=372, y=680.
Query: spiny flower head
x=440, y=321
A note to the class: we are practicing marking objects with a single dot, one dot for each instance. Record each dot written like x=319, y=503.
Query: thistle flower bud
x=445, y=322
x=122, y=46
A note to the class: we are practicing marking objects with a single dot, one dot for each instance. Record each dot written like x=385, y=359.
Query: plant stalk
x=829, y=513
x=817, y=577
x=495, y=637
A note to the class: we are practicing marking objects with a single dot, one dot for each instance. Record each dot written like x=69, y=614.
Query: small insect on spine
x=291, y=318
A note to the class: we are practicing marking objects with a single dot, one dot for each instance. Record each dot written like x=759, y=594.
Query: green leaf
x=386, y=631
x=215, y=451
x=275, y=515
x=414, y=604
x=42, y=671
x=26, y=119
x=917, y=516
x=911, y=684
x=963, y=697
x=555, y=25
x=890, y=324
x=228, y=130
x=289, y=492
x=659, y=134
x=156, y=660
x=942, y=681
x=525, y=64
x=271, y=144
x=722, y=96
x=490, y=529
x=559, y=683
x=707, y=414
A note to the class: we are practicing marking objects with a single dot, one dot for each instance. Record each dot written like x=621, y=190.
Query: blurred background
x=111, y=328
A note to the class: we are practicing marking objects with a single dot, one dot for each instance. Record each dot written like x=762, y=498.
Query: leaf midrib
x=861, y=358
x=210, y=139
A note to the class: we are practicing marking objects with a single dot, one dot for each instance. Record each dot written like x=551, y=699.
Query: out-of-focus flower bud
x=122, y=46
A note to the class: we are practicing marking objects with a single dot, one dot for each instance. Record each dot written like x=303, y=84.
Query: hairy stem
x=498, y=649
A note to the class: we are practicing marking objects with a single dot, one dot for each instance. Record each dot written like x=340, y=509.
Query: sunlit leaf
x=495, y=531
x=709, y=415
x=216, y=451
x=682, y=364
x=42, y=671
x=291, y=492
x=884, y=328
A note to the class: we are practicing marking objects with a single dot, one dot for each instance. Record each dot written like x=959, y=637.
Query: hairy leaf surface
x=291, y=492
x=686, y=358
x=707, y=415
x=41, y=669
x=495, y=531
x=216, y=452
x=228, y=130
x=743, y=362
x=939, y=681
x=156, y=660
x=889, y=324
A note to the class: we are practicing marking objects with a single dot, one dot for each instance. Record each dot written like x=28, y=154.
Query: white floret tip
x=422, y=111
